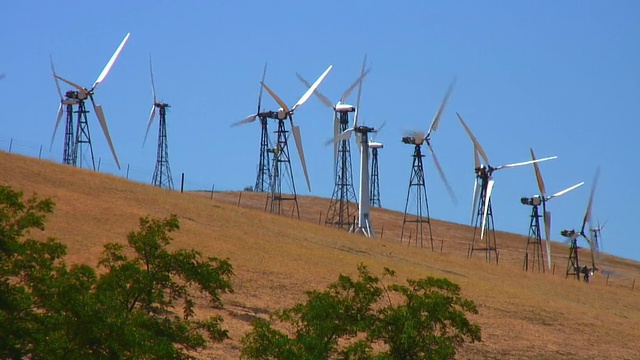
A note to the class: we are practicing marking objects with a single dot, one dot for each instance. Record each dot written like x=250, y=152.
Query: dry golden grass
x=275, y=258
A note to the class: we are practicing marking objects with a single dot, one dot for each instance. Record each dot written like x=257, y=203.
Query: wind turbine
x=535, y=235
x=343, y=196
x=73, y=147
x=162, y=172
x=281, y=160
x=363, y=226
x=417, y=183
x=573, y=265
x=263, y=177
x=482, y=189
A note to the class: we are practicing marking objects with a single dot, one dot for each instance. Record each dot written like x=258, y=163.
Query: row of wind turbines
x=275, y=170
x=343, y=195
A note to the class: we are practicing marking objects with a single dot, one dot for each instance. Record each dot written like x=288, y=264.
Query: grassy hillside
x=522, y=315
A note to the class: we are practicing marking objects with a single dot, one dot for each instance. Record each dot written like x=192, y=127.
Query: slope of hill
x=275, y=258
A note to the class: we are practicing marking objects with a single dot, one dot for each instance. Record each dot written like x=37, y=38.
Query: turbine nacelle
x=161, y=105
x=344, y=108
x=282, y=114
x=484, y=171
x=535, y=200
x=571, y=234
x=375, y=145
x=413, y=140
x=77, y=95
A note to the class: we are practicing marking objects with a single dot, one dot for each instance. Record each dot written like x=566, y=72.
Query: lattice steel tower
x=282, y=172
x=417, y=187
x=162, y=173
x=375, y=179
x=573, y=265
x=534, y=258
x=343, y=200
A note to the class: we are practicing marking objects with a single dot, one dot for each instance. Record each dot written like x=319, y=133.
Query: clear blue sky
x=561, y=77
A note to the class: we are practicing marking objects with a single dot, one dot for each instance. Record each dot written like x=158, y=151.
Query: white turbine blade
x=560, y=193
x=275, y=97
x=53, y=72
x=248, y=119
x=322, y=98
x=113, y=59
x=347, y=93
x=378, y=130
x=475, y=200
x=55, y=129
x=153, y=84
x=443, y=105
x=442, y=176
x=310, y=91
x=264, y=75
x=524, y=163
x=547, y=231
x=474, y=140
x=345, y=135
x=105, y=130
x=151, y=116
x=536, y=169
x=476, y=158
x=355, y=116
x=295, y=129
x=487, y=198
x=587, y=214
x=80, y=88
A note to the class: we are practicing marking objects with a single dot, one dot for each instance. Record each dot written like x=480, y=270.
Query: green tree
x=424, y=319
x=52, y=311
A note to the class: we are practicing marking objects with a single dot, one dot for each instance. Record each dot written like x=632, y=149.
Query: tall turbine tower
x=533, y=252
x=263, y=177
x=482, y=220
x=363, y=225
x=417, y=183
x=73, y=153
x=281, y=160
x=343, y=198
x=162, y=172
x=374, y=195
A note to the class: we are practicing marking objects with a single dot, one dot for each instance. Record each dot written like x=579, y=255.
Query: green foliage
x=51, y=310
x=427, y=321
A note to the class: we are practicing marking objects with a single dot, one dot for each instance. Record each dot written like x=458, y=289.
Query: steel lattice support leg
x=69, y=139
x=264, y=163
